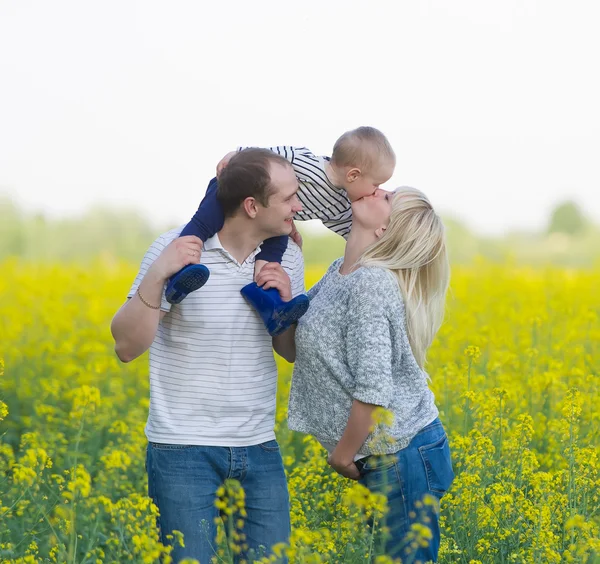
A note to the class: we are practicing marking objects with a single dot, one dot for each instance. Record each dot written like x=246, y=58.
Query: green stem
x=467, y=402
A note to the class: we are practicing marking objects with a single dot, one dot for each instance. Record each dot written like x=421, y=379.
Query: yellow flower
x=520, y=417
x=3, y=410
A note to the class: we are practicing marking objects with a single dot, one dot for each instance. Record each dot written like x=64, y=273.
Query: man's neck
x=239, y=239
x=358, y=241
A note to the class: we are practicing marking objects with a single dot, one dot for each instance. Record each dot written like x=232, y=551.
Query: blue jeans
x=423, y=467
x=183, y=483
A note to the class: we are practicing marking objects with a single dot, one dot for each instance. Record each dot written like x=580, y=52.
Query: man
x=213, y=377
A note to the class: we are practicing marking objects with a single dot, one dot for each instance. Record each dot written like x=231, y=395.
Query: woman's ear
x=380, y=231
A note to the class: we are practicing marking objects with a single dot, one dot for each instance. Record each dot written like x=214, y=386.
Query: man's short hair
x=247, y=175
x=364, y=148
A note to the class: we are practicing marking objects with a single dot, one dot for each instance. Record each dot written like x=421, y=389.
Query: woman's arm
x=369, y=358
x=369, y=338
x=357, y=430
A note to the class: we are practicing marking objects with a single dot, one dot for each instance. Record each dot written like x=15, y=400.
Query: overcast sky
x=492, y=107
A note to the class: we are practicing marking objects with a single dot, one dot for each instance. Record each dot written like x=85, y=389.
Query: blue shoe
x=276, y=314
x=187, y=280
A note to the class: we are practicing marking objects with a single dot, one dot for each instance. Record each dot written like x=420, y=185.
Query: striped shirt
x=213, y=378
x=320, y=199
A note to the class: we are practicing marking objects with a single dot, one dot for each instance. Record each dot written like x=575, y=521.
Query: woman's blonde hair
x=413, y=249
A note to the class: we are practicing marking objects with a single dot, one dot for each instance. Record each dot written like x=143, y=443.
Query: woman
x=362, y=345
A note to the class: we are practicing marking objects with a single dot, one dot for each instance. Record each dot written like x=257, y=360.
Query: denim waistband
x=435, y=423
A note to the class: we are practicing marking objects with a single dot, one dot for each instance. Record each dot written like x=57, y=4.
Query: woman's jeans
x=413, y=479
x=183, y=483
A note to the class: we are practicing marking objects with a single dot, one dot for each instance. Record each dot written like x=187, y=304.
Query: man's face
x=276, y=219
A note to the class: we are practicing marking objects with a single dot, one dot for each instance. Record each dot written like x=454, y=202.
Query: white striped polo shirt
x=213, y=378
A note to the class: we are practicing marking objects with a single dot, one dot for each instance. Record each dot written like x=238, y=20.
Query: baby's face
x=366, y=184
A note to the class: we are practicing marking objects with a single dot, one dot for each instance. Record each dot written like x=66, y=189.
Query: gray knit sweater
x=352, y=344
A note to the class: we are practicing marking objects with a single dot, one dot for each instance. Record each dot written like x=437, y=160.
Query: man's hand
x=177, y=254
x=295, y=235
x=346, y=468
x=224, y=162
x=272, y=275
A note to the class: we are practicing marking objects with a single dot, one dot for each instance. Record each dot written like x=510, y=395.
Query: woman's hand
x=357, y=430
x=347, y=469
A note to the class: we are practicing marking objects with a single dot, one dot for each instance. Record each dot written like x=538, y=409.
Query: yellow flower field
x=515, y=370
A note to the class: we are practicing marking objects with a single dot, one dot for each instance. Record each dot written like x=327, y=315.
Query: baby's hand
x=295, y=235
x=224, y=162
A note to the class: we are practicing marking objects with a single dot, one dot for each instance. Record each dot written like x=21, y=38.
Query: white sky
x=493, y=107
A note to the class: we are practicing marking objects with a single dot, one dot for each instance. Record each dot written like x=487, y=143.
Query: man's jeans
x=414, y=479
x=183, y=483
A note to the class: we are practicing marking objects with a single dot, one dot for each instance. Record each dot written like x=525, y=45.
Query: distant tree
x=567, y=218
x=462, y=244
x=118, y=233
x=12, y=238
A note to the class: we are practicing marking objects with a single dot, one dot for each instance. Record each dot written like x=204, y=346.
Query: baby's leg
x=207, y=221
x=208, y=218
x=270, y=251
x=276, y=314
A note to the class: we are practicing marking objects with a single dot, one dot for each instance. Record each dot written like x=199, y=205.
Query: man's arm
x=294, y=263
x=272, y=275
x=285, y=344
x=134, y=326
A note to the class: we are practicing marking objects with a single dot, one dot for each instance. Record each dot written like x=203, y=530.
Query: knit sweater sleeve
x=368, y=337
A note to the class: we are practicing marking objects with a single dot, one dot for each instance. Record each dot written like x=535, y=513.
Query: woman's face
x=373, y=212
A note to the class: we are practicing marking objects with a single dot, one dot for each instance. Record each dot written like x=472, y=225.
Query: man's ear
x=380, y=231
x=353, y=174
x=250, y=207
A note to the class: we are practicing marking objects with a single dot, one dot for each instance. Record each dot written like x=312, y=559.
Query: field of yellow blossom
x=515, y=370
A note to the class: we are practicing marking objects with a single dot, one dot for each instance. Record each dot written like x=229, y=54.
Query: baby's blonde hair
x=364, y=148
x=413, y=249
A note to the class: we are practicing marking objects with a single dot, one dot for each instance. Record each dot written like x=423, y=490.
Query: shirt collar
x=214, y=244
